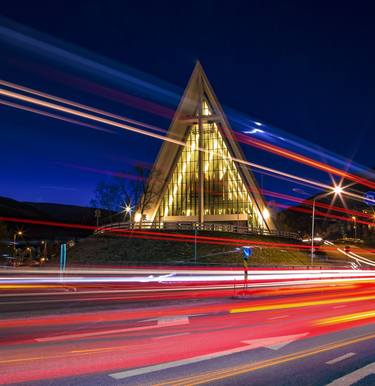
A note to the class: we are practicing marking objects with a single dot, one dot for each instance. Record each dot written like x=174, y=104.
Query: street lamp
x=18, y=233
x=44, y=257
x=127, y=210
x=337, y=190
x=355, y=226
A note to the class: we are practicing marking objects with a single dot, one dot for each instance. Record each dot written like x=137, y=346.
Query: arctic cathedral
x=201, y=171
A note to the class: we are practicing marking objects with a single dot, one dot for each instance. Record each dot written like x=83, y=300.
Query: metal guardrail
x=192, y=226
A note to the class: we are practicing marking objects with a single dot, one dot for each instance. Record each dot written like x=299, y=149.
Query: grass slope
x=128, y=250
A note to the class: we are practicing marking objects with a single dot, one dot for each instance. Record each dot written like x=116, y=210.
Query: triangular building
x=204, y=180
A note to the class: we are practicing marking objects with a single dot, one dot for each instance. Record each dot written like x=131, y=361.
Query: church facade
x=201, y=170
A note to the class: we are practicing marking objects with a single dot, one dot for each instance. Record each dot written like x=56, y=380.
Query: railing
x=193, y=226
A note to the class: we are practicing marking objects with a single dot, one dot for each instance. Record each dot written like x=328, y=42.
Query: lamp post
x=43, y=257
x=128, y=211
x=355, y=226
x=18, y=233
x=336, y=190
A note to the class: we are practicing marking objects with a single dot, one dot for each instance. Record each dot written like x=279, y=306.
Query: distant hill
x=71, y=214
x=66, y=213
x=14, y=208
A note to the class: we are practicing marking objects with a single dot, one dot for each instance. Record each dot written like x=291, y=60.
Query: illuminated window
x=224, y=190
x=205, y=108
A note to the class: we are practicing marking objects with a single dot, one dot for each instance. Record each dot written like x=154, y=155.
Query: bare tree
x=118, y=193
x=111, y=195
x=145, y=189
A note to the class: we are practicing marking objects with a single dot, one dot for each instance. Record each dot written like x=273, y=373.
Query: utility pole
x=337, y=190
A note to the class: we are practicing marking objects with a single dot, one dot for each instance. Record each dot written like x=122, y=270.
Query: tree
x=4, y=237
x=118, y=193
x=145, y=188
x=111, y=195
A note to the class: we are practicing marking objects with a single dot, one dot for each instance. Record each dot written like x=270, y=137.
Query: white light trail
x=133, y=129
x=79, y=105
x=176, y=277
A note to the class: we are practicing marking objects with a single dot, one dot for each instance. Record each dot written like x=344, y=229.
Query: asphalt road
x=281, y=335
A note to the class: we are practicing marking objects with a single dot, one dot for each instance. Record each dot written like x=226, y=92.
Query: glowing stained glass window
x=224, y=190
x=205, y=108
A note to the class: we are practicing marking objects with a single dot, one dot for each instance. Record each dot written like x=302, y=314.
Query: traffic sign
x=369, y=198
x=247, y=252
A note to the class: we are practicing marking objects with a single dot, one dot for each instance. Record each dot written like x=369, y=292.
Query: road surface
x=283, y=333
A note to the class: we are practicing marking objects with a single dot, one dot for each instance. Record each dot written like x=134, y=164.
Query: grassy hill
x=119, y=250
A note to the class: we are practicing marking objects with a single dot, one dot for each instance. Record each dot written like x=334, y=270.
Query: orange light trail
x=346, y=318
x=55, y=116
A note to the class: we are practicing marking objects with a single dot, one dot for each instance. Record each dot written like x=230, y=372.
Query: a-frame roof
x=184, y=117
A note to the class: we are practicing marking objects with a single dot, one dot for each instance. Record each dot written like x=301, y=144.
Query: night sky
x=306, y=68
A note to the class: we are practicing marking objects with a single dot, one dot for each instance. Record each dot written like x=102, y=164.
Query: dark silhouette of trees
x=145, y=189
x=4, y=237
x=111, y=195
x=119, y=193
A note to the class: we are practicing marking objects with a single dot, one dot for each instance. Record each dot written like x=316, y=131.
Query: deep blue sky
x=304, y=67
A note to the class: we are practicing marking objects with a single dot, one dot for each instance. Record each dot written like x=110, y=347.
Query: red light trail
x=303, y=159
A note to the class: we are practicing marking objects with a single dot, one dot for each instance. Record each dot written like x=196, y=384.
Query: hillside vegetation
x=130, y=250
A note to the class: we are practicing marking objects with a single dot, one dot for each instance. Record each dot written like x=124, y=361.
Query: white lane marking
x=182, y=362
x=276, y=342
x=355, y=376
x=279, y=317
x=162, y=322
x=340, y=358
x=170, y=336
x=273, y=343
x=340, y=306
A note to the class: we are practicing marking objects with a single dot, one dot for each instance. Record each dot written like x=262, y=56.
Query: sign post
x=97, y=214
x=62, y=258
x=246, y=253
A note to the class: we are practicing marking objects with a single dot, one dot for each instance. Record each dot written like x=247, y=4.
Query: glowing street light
x=16, y=234
x=127, y=210
x=338, y=189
